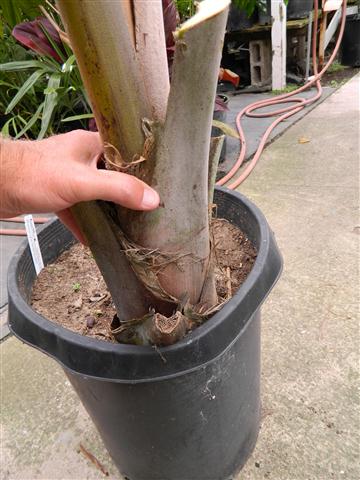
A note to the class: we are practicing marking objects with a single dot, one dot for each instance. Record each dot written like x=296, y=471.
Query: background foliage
x=39, y=93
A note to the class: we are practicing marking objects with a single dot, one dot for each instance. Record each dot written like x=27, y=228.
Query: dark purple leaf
x=92, y=125
x=31, y=35
x=220, y=105
x=171, y=19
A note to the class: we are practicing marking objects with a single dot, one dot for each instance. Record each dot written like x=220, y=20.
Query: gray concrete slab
x=310, y=355
x=254, y=128
x=4, y=329
x=43, y=423
x=310, y=379
x=8, y=246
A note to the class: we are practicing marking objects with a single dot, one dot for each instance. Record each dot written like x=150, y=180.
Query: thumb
x=120, y=188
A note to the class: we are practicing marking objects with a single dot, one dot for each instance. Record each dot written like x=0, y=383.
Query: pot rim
x=52, y=338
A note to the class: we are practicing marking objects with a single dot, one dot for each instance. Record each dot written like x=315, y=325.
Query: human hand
x=53, y=174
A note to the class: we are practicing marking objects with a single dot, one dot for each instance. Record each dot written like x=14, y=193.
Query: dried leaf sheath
x=181, y=159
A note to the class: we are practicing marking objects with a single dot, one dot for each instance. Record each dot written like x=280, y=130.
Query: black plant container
x=238, y=19
x=299, y=8
x=350, y=45
x=189, y=411
x=264, y=13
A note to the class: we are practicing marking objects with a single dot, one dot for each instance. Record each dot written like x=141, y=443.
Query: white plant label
x=33, y=243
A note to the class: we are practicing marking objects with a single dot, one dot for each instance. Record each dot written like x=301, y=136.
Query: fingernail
x=150, y=198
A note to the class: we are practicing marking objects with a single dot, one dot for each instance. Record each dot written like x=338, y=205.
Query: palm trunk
x=126, y=79
x=181, y=162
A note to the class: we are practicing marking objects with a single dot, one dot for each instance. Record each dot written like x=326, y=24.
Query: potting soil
x=72, y=292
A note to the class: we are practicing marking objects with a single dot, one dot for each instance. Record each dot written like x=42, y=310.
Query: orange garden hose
x=21, y=220
x=13, y=232
x=18, y=232
x=298, y=104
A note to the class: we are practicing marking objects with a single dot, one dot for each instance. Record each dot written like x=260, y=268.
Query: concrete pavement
x=8, y=246
x=255, y=128
x=310, y=354
x=309, y=193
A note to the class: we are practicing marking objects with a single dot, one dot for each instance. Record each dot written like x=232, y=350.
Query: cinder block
x=260, y=62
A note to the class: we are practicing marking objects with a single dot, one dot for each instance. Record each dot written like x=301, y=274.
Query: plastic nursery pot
x=238, y=19
x=264, y=13
x=299, y=8
x=189, y=411
x=350, y=45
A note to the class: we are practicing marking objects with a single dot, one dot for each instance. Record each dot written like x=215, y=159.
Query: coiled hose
x=286, y=112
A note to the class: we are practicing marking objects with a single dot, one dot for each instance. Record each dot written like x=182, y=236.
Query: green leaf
x=247, y=5
x=24, y=89
x=10, y=12
x=50, y=64
x=31, y=122
x=50, y=103
x=23, y=65
x=15, y=11
x=225, y=128
x=49, y=90
x=78, y=117
x=6, y=84
x=53, y=44
x=67, y=49
x=5, y=128
x=19, y=117
x=30, y=8
x=14, y=125
x=66, y=67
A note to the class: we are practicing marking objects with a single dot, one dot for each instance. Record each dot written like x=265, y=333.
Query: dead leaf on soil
x=97, y=298
x=304, y=140
x=78, y=302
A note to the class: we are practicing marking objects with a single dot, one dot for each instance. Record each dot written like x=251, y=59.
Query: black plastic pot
x=350, y=45
x=264, y=14
x=191, y=413
x=299, y=8
x=215, y=131
x=238, y=19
